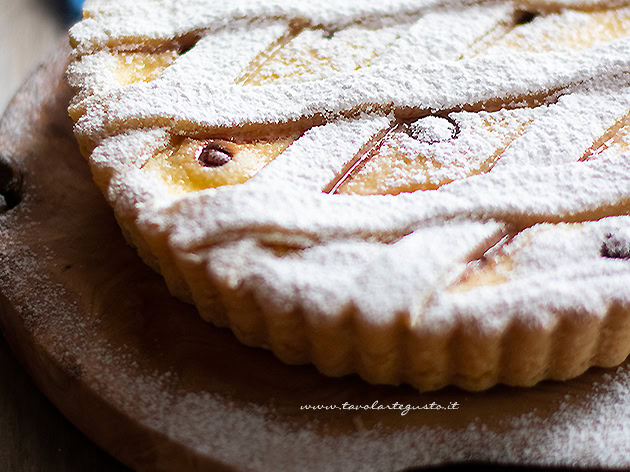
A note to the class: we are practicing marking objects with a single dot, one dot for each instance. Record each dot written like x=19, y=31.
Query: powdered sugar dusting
x=588, y=427
x=574, y=123
x=507, y=128
x=590, y=430
x=337, y=142
x=404, y=85
x=128, y=20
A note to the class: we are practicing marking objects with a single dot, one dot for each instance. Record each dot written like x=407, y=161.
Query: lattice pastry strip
x=223, y=55
x=214, y=51
x=568, y=288
x=502, y=143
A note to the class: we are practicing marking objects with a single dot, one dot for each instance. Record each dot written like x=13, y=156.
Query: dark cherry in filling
x=613, y=248
x=426, y=130
x=213, y=155
x=524, y=17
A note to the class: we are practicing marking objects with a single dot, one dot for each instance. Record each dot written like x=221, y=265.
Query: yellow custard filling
x=183, y=169
x=133, y=67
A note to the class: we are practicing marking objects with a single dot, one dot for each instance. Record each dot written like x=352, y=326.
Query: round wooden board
x=139, y=372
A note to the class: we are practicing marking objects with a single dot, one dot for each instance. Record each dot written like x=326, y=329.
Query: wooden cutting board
x=140, y=374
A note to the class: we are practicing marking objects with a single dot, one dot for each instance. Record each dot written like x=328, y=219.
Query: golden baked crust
x=431, y=194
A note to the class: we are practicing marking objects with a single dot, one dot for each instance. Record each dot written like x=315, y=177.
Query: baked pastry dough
x=415, y=191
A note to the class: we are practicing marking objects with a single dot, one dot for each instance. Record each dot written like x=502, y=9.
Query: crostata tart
x=417, y=191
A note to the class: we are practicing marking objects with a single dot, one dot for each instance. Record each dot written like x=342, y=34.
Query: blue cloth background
x=75, y=7
x=70, y=10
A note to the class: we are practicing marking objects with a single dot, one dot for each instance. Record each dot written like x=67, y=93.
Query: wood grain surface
x=34, y=436
x=142, y=376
